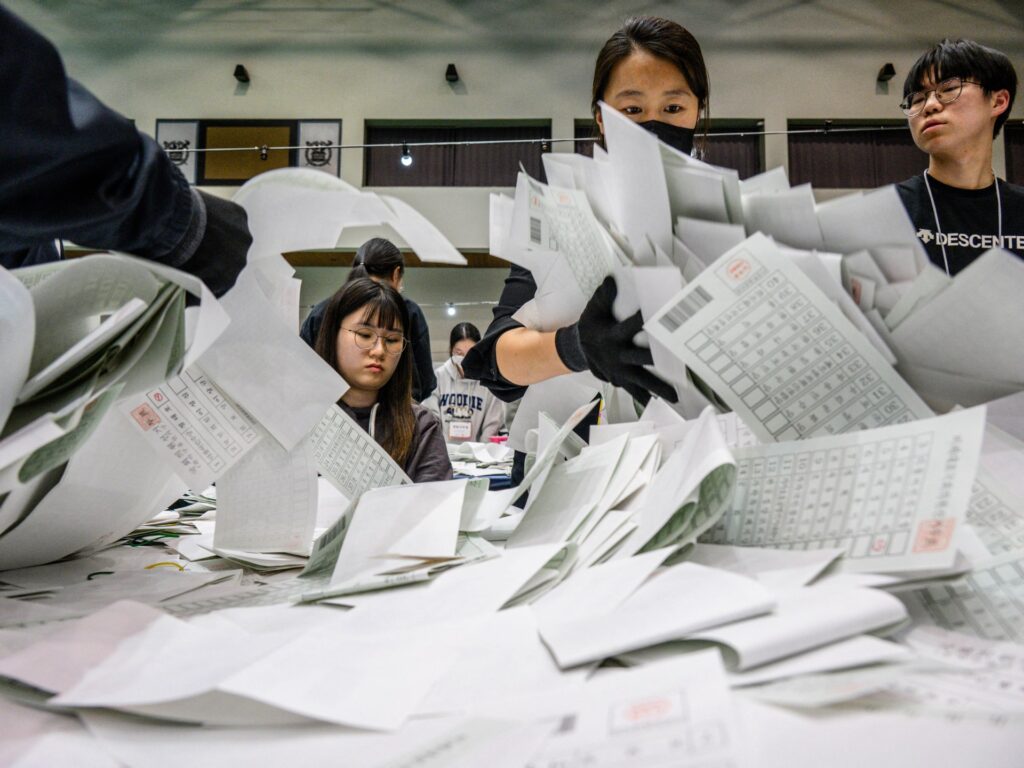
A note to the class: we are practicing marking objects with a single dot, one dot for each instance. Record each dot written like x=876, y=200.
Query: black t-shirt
x=968, y=222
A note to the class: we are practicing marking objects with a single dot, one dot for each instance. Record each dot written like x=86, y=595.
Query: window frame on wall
x=451, y=165
x=864, y=175
x=1013, y=143
x=195, y=132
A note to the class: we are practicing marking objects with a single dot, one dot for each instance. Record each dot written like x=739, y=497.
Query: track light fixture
x=406, y=155
x=241, y=74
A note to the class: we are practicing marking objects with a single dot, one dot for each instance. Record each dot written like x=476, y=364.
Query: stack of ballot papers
x=823, y=538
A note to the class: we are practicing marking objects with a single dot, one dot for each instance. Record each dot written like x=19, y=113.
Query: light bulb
x=450, y=310
x=406, y=156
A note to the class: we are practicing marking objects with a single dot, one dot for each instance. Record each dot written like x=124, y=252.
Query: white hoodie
x=467, y=409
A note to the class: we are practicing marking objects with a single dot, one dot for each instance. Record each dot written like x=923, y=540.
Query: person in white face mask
x=467, y=409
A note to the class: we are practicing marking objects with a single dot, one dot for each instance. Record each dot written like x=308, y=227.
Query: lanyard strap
x=938, y=227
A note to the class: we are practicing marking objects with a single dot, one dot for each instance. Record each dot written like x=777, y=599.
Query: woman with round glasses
x=957, y=97
x=363, y=337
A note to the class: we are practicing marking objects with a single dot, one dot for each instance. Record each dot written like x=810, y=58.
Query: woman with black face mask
x=652, y=70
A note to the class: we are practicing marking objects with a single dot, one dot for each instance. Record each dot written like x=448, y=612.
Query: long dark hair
x=463, y=331
x=666, y=40
x=384, y=307
x=377, y=258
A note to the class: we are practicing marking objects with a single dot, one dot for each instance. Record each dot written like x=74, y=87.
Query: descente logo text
x=964, y=240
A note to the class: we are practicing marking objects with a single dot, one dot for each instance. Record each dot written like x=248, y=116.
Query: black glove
x=604, y=345
x=217, y=242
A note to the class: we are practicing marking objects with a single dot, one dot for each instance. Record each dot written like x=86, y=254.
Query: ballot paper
x=558, y=397
x=638, y=192
x=573, y=171
x=709, y=239
x=892, y=498
x=996, y=515
x=483, y=673
x=781, y=570
x=988, y=602
x=93, y=505
x=674, y=713
x=569, y=494
x=787, y=739
x=687, y=495
x=698, y=190
x=267, y=502
x=393, y=526
x=288, y=400
x=972, y=326
x=296, y=209
x=805, y=619
x=787, y=216
x=142, y=742
x=560, y=228
x=33, y=737
x=349, y=458
x=198, y=430
x=61, y=658
x=984, y=676
x=678, y=601
x=860, y=651
x=767, y=341
x=875, y=220
x=453, y=595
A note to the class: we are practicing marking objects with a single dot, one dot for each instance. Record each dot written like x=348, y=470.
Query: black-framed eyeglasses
x=367, y=340
x=946, y=92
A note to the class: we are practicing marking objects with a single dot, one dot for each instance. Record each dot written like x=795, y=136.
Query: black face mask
x=673, y=135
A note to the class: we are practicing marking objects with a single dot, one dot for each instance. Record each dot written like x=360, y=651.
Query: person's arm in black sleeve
x=481, y=362
x=425, y=382
x=597, y=342
x=71, y=168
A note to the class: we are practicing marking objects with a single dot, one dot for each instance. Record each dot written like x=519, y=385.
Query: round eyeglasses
x=946, y=92
x=366, y=340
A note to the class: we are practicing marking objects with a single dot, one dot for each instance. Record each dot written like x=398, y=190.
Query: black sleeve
x=72, y=168
x=311, y=325
x=424, y=381
x=481, y=363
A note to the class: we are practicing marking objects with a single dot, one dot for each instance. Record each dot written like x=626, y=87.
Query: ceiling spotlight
x=450, y=309
x=886, y=73
x=406, y=156
x=451, y=74
x=241, y=74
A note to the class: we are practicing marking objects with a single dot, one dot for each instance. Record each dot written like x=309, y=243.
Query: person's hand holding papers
x=605, y=345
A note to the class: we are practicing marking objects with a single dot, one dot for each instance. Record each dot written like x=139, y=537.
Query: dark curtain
x=740, y=152
x=585, y=129
x=482, y=165
x=853, y=160
x=430, y=165
x=497, y=165
x=1014, y=138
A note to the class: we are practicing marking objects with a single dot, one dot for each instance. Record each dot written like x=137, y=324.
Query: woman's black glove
x=599, y=342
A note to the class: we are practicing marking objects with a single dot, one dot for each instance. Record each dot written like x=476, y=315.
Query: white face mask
x=457, y=359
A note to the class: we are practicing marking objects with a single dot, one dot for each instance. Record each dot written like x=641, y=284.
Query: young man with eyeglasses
x=957, y=97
